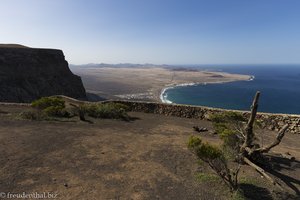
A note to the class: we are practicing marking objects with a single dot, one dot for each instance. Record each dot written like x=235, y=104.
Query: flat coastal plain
x=144, y=83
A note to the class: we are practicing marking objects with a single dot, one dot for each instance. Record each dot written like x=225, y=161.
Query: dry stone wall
x=268, y=120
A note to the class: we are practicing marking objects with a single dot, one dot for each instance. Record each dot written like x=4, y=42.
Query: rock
x=199, y=129
x=281, y=123
x=27, y=74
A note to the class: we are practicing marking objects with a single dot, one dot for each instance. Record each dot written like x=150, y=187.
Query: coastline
x=163, y=95
x=146, y=83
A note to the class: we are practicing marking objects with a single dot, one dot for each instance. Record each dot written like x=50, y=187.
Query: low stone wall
x=268, y=120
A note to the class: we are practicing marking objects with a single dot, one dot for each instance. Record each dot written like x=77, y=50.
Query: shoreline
x=146, y=83
x=163, y=96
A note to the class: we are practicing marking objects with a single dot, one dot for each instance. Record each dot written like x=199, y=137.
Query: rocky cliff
x=27, y=74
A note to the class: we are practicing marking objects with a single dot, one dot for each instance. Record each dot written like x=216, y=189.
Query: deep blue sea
x=279, y=86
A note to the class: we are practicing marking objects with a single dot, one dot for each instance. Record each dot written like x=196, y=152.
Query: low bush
x=227, y=117
x=228, y=125
x=204, y=151
x=107, y=110
x=51, y=106
x=46, y=102
x=215, y=158
x=56, y=111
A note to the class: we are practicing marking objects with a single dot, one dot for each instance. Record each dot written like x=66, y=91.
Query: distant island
x=144, y=81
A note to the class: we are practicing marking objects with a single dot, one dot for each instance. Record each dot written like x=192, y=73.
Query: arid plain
x=144, y=83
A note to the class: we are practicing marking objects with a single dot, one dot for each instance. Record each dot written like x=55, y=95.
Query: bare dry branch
x=241, y=134
x=249, y=128
x=222, y=171
x=277, y=140
x=235, y=174
x=262, y=172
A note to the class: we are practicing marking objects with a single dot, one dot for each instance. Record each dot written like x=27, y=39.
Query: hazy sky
x=157, y=31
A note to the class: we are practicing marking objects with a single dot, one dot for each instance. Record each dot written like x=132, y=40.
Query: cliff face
x=27, y=74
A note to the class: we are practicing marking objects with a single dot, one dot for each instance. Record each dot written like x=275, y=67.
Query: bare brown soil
x=146, y=158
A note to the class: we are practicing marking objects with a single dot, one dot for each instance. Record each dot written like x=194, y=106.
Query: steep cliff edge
x=30, y=73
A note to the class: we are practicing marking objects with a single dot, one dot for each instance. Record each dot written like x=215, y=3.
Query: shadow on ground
x=278, y=164
x=253, y=192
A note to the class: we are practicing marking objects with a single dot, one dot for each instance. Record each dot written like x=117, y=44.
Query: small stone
x=66, y=184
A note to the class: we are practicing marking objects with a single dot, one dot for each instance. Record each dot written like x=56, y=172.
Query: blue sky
x=157, y=31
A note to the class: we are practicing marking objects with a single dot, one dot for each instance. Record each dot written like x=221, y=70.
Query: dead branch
x=241, y=134
x=249, y=128
x=262, y=172
x=222, y=171
x=250, y=152
x=277, y=140
x=235, y=174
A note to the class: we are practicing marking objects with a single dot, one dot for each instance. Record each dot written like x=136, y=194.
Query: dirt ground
x=146, y=158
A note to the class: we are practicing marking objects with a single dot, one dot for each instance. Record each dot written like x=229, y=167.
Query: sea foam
x=164, y=96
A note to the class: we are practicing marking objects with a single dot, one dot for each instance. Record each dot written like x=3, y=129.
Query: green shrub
x=204, y=151
x=51, y=106
x=107, y=110
x=215, y=158
x=46, y=102
x=227, y=117
x=118, y=106
x=227, y=125
x=56, y=111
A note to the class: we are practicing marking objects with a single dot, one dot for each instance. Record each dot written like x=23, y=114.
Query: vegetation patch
x=248, y=180
x=48, y=108
x=214, y=157
x=46, y=102
x=206, y=177
x=33, y=115
x=106, y=110
x=227, y=123
x=240, y=144
x=51, y=106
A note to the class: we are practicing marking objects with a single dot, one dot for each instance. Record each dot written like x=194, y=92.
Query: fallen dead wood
x=262, y=172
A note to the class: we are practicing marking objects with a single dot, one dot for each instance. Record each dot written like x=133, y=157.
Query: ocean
x=279, y=86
